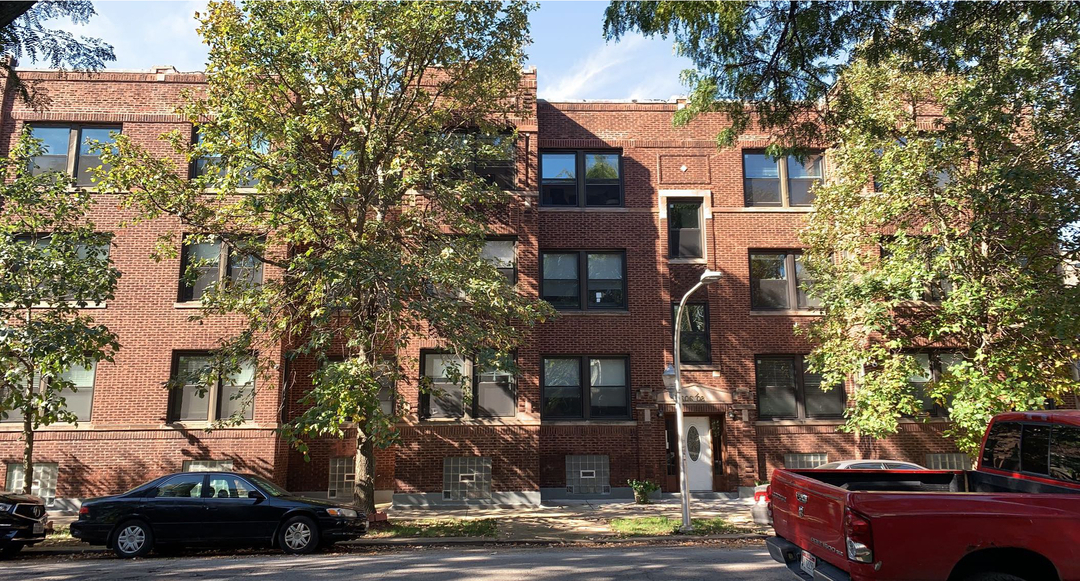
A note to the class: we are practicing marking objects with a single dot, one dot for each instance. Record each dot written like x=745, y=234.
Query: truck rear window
x=1002, y=450
x=1035, y=449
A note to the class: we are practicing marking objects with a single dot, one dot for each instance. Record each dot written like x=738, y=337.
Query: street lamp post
x=707, y=277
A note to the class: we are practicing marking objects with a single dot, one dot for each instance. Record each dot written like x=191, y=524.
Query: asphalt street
x=426, y=564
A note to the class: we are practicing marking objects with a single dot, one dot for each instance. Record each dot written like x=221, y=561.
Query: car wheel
x=10, y=550
x=133, y=539
x=298, y=536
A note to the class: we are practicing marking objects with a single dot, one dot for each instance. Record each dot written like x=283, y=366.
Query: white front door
x=699, y=468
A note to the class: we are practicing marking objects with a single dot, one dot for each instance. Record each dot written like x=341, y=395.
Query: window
x=607, y=396
x=694, y=337
x=805, y=461
x=786, y=390
x=496, y=164
x=936, y=290
x=211, y=163
x=84, y=252
x=503, y=254
x=778, y=282
x=1065, y=453
x=581, y=178
x=342, y=477
x=211, y=262
x=948, y=462
x=44, y=480
x=605, y=280
x=78, y=400
x=466, y=478
x=684, y=229
x=1002, y=448
x=933, y=366
x=492, y=391
x=208, y=466
x=181, y=486
x=202, y=385
x=226, y=486
x=68, y=150
x=1035, y=449
x=780, y=183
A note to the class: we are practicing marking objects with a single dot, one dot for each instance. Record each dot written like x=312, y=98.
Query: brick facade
x=129, y=439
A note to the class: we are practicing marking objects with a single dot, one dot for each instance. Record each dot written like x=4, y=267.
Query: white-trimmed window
x=44, y=485
x=948, y=462
x=208, y=466
x=805, y=461
x=77, y=400
x=221, y=398
x=342, y=477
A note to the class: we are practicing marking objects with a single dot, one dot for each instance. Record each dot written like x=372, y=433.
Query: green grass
x=485, y=527
x=656, y=526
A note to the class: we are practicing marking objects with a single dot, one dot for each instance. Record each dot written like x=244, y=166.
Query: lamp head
x=711, y=276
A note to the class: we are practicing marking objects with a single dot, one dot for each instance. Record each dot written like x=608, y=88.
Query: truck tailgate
x=810, y=514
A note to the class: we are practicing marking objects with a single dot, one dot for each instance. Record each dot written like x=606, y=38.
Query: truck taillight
x=84, y=510
x=860, y=539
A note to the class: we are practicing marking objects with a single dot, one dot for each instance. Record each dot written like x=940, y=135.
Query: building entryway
x=699, y=451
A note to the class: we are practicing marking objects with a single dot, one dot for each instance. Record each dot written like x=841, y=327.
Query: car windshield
x=269, y=487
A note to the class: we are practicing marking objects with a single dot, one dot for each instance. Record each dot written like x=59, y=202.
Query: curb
x=482, y=541
x=459, y=542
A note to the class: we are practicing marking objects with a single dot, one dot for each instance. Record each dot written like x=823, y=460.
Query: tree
x=23, y=33
x=948, y=217
x=336, y=139
x=52, y=263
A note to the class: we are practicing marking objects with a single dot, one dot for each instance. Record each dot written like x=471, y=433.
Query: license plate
x=39, y=527
x=808, y=563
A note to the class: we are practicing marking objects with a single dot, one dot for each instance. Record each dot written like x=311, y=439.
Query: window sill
x=926, y=420
x=202, y=425
x=699, y=366
x=45, y=306
x=588, y=422
x=593, y=313
x=496, y=421
x=687, y=261
x=809, y=422
x=586, y=209
x=800, y=313
x=188, y=305
x=782, y=209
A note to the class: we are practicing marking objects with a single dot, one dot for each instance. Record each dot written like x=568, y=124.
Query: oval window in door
x=693, y=443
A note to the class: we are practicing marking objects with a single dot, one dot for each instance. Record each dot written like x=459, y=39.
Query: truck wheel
x=299, y=536
x=133, y=539
x=994, y=577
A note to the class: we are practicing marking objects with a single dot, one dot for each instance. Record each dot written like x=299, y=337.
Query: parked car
x=214, y=509
x=22, y=522
x=1015, y=518
x=761, y=513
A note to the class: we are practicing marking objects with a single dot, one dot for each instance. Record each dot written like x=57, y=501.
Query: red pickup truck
x=1015, y=518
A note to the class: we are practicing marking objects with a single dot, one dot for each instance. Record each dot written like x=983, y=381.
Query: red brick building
x=616, y=213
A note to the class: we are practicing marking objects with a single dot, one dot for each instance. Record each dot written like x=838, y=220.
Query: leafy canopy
x=339, y=143
x=948, y=218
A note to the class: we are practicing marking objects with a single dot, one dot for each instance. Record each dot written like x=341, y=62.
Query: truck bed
x=938, y=516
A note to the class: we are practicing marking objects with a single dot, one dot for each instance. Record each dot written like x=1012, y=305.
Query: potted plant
x=642, y=490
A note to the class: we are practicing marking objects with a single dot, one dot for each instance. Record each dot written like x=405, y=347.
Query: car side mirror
x=256, y=495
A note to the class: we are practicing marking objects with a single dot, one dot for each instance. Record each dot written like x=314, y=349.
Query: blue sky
x=572, y=59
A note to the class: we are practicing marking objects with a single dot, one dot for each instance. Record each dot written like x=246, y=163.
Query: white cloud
x=603, y=67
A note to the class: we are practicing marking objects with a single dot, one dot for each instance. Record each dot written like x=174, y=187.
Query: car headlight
x=4, y=507
x=341, y=512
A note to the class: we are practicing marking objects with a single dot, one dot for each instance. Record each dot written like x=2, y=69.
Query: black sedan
x=22, y=522
x=214, y=509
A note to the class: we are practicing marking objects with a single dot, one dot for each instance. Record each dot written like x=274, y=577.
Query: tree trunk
x=28, y=453
x=28, y=437
x=364, y=487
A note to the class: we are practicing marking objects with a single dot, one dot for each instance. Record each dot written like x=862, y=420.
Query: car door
x=232, y=515
x=176, y=509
